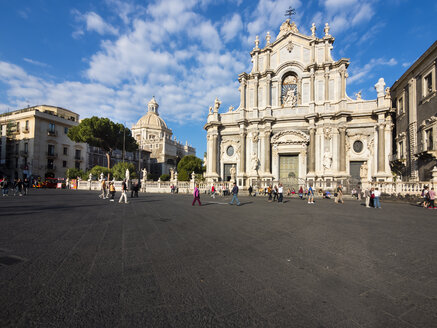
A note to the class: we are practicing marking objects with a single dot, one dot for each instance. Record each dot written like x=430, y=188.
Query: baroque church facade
x=296, y=124
x=152, y=134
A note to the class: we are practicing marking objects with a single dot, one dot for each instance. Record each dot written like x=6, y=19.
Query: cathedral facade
x=152, y=134
x=296, y=124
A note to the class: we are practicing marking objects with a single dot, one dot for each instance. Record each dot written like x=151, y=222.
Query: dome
x=151, y=119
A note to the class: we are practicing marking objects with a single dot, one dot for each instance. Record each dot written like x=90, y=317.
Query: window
x=427, y=85
x=428, y=141
x=230, y=151
x=27, y=125
x=66, y=130
x=52, y=127
x=17, y=147
x=401, y=149
x=77, y=154
x=64, y=163
x=77, y=165
x=26, y=147
x=358, y=146
x=18, y=126
x=50, y=165
x=65, y=151
x=401, y=105
x=50, y=150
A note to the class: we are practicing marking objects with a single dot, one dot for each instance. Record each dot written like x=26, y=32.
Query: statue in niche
x=290, y=98
x=327, y=160
x=363, y=171
x=233, y=172
x=254, y=161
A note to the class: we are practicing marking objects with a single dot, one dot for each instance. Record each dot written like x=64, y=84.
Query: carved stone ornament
x=370, y=146
x=231, y=108
x=217, y=104
x=255, y=162
x=255, y=137
x=290, y=46
x=234, y=142
x=327, y=160
x=327, y=131
x=428, y=121
x=363, y=171
x=290, y=137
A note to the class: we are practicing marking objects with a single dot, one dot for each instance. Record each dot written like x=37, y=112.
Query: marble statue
x=193, y=176
x=254, y=161
x=231, y=108
x=326, y=29
x=217, y=104
x=127, y=175
x=290, y=98
x=144, y=174
x=358, y=94
x=313, y=30
x=210, y=109
x=363, y=171
x=268, y=37
x=233, y=172
x=171, y=174
x=380, y=87
x=176, y=175
x=327, y=160
x=90, y=177
x=102, y=176
x=257, y=42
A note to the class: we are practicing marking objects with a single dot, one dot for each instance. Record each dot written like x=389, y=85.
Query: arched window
x=289, y=92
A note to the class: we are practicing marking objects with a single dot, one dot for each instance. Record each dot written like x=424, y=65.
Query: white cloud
x=93, y=23
x=35, y=62
x=232, y=27
x=359, y=73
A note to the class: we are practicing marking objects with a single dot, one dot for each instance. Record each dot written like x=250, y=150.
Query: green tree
x=119, y=170
x=103, y=133
x=73, y=173
x=190, y=163
x=165, y=177
x=183, y=175
x=97, y=170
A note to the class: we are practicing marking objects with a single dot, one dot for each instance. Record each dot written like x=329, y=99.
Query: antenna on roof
x=290, y=12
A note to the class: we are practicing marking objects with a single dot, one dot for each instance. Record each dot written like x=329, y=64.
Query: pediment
x=290, y=137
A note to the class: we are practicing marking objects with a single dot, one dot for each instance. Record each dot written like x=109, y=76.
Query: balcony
x=78, y=158
x=423, y=152
x=51, y=167
x=52, y=133
x=51, y=155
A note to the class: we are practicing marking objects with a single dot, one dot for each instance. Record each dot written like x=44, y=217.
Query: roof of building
x=151, y=119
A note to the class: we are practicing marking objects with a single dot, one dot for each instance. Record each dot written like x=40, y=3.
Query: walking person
x=431, y=194
x=196, y=195
x=20, y=187
x=280, y=193
x=103, y=189
x=269, y=192
x=235, y=195
x=301, y=192
x=372, y=197
x=5, y=186
x=339, y=198
x=377, y=195
x=26, y=186
x=367, y=196
x=123, y=192
x=250, y=190
x=310, y=195
x=213, y=191
x=111, y=191
x=275, y=193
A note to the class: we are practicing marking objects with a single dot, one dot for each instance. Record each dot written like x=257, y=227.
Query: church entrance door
x=289, y=170
x=355, y=178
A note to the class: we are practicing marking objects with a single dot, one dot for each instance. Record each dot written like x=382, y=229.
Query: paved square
x=70, y=259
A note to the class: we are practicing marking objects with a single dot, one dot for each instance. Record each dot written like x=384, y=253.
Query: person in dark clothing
x=250, y=190
x=235, y=195
x=26, y=186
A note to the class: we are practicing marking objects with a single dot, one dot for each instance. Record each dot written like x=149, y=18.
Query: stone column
x=255, y=96
x=342, y=150
x=312, y=86
x=326, y=84
x=268, y=95
x=343, y=83
x=214, y=155
x=243, y=94
x=381, y=148
x=312, y=162
x=243, y=153
x=267, y=152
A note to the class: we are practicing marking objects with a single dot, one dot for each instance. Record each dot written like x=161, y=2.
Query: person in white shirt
x=376, y=202
x=280, y=193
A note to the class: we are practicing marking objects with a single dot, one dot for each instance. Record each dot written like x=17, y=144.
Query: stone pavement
x=70, y=259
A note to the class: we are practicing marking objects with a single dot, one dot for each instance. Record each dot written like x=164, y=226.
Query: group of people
x=19, y=187
x=428, y=197
x=108, y=191
x=234, y=193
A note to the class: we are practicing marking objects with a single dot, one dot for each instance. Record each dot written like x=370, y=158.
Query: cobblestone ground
x=70, y=259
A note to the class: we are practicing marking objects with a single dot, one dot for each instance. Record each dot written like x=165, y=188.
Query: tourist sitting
x=327, y=194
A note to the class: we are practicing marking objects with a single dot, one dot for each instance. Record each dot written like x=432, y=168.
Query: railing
x=78, y=158
x=51, y=167
x=51, y=155
x=52, y=133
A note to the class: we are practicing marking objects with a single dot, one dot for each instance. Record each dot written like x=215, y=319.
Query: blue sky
x=109, y=57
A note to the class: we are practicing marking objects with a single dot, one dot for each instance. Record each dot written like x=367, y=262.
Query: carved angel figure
x=254, y=161
x=217, y=104
x=327, y=160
